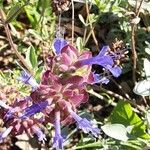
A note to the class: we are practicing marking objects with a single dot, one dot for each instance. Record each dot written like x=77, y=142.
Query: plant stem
x=92, y=92
x=134, y=53
x=72, y=21
x=91, y=27
x=119, y=97
x=12, y=44
x=124, y=99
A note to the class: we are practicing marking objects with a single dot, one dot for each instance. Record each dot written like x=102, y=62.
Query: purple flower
x=28, y=79
x=58, y=139
x=99, y=79
x=99, y=60
x=85, y=125
x=116, y=70
x=41, y=136
x=104, y=60
x=10, y=113
x=35, y=108
x=18, y=105
x=58, y=44
x=58, y=142
x=5, y=133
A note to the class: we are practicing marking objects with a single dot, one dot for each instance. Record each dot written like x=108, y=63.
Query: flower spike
x=61, y=91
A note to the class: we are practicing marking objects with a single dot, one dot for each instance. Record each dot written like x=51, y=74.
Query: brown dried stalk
x=72, y=3
x=7, y=30
x=133, y=29
x=91, y=26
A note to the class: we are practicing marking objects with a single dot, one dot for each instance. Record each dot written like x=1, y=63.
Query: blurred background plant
x=122, y=114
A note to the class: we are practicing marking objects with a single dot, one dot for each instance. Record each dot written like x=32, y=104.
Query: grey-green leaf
x=31, y=57
x=82, y=19
x=116, y=131
x=142, y=88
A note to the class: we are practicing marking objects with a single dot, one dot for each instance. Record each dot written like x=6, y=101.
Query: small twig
x=138, y=8
x=124, y=99
x=139, y=109
x=91, y=27
x=85, y=32
x=72, y=21
x=119, y=97
x=4, y=46
x=71, y=134
x=12, y=44
x=145, y=101
x=134, y=53
x=120, y=87
x=92, y=92
x=59, y=33
x=88, y=36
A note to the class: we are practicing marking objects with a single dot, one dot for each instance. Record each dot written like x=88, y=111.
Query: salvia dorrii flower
x=28, y=79
x=61, y=91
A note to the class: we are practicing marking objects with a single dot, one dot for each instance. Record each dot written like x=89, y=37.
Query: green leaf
x=33, y=15
x=39, y=73
x=93, y=18
x=79, y=43
x=31, y=57
x=14, y=12
x=142, y=88
x=17, y=24
x=82, y=19
x=45, y=4
x=123, y=114
x=116, y=131
x=35, y=34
